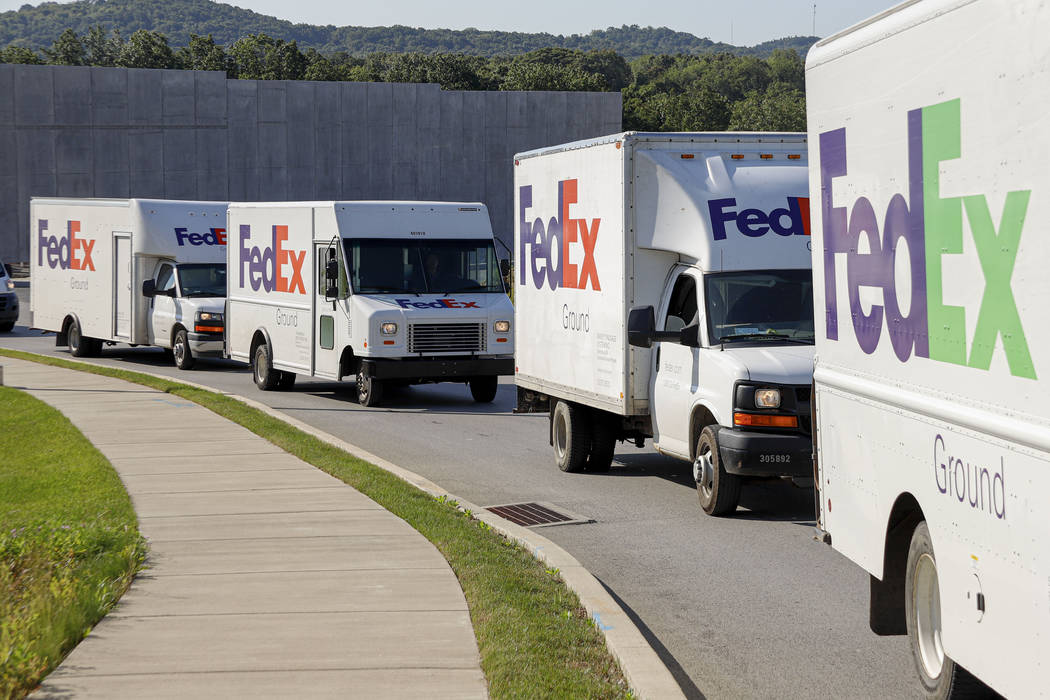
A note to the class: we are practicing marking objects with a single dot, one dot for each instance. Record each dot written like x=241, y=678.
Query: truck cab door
x=162, y=306
x=677, y=367
x=328, y=311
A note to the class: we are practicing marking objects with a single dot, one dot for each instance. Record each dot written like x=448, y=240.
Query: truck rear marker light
x=501, y=340
x=687, y=156
x=388, y=342
x=766, y=156
x=794, y=156
x=737, y=156
x=764, y=421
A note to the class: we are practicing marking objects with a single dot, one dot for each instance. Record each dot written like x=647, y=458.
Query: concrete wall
x=116, y=132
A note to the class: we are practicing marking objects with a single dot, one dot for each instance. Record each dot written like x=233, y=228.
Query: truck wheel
x=604, y=431
x=719, y=490
x=941, y=677
x=369, y=390
x=571, y=432
x=483, y=389
x=79, y=346
x=262, y=369
x=286, y=380
x=180, y=351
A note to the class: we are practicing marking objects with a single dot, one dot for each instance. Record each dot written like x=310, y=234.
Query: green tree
x=103, y=50
x=545, y=76
x=146, y=49
x=19, y=54
x=68, y=50
x=610, y=65
x=780, y=108
x=261, y=57
x=203, y=53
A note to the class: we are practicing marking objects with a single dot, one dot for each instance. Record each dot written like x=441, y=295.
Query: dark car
x=8, y=300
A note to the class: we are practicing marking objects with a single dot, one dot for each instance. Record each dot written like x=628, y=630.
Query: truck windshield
x=760, y=306
x=399, y=266
x=202, y=279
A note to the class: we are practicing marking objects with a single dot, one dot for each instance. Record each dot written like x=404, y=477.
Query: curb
x=647, y=675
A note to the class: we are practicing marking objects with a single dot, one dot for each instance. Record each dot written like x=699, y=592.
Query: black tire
x=180, y=351
x=604, y=433
x=571, y=433
x=719, y=491
x=79, y=345
x=483, y=389
x=266, y=377
x=7, y=327
x=369, y=390
x=286, y=380
x=921, y=598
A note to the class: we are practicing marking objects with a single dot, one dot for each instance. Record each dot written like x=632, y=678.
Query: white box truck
x=697, y=242
x=392, y=293
x=137, y=271
x=929, y=135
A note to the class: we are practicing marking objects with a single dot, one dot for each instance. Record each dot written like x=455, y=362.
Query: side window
x=681, y=311
x=165, y=278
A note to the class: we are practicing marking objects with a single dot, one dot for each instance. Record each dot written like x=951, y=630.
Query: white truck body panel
x=276, y=264
x=929, y=131
x=637, y=205
x=90, y=257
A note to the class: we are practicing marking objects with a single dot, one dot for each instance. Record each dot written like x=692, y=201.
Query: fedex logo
x=436, y=304
x=215, y=236
x=931, y=226
x=790, y=221
x=267, y=267
x=68, y=252
x=552, y=242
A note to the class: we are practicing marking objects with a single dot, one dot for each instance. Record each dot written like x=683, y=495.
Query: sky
x=739, y=22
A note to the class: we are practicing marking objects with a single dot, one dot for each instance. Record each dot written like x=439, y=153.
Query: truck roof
x=881, y=26
x=741, y=139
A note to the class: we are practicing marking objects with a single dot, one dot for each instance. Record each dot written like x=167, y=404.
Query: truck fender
x=886, y=607
x=62, y=337
x=348, y=363
x=701, y=416
x=260, y=337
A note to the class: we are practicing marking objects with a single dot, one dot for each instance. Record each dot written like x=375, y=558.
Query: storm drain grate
x=535, y=515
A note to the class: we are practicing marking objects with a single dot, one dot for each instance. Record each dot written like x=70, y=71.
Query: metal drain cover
x=536, y=515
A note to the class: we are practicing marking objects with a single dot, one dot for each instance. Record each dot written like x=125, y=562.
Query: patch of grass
x=69, y=540
x=534, y=637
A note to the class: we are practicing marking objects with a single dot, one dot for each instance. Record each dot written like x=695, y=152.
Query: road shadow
x=448, y=398
x=689, y=688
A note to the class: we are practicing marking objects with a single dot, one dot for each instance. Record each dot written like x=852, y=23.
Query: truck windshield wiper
x=466, y=289
x=759, y=336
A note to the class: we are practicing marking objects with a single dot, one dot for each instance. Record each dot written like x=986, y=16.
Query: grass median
x=534, y=637
x=69, y=540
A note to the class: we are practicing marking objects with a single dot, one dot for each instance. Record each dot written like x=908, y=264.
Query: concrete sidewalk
x=267, y=578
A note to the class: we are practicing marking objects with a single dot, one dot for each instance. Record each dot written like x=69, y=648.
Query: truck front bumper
x=750, y=453
x=206, y=344
x=444, y=369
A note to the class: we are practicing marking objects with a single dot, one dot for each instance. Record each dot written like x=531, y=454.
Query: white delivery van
x=387, y=292
x=138, y=271
x=663, y=289
x=929, y=134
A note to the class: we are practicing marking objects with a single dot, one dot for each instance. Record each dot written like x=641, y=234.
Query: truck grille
x=446, y=337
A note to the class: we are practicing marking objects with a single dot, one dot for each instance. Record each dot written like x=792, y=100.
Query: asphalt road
x=743, y=607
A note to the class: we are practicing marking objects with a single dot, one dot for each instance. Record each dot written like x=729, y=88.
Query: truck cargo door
x=122, y=292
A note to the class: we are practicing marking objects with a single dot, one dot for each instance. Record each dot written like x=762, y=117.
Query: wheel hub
x=703, y=471
x=928, y=616
x=179, y=351
x=561, y=437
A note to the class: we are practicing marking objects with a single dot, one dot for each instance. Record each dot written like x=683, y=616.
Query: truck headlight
x=10, y=284
x=767, y=398
x=209, y=316
x=388, y=328
x=502, y=326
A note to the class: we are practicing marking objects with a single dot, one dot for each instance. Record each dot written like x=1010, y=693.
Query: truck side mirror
x=504, y=267
x=149, y=288
x=331, y=270
x=641, y=327
x=331, y=293
x=690, y=337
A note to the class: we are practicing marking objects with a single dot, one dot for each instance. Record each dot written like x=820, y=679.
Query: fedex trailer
x=137, y=271
x=932, y=363
x=392, y=293
x=663, y=290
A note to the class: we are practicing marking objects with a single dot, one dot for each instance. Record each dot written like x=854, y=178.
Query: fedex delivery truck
x=929, y=136
x=663, y=290
x=138, y=271
x=392, y=293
